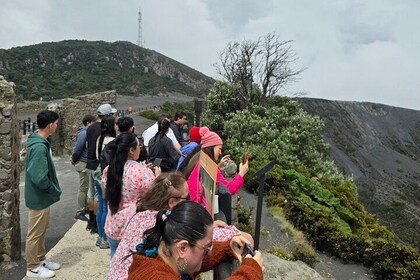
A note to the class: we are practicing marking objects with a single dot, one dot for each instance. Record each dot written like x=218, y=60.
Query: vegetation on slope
x=76, y=67
x=314, y=195
x=380, y=146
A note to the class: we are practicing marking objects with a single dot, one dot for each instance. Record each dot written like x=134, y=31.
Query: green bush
x=149, y=114
x=305, y=253
x=244, y=216
x=316, y=198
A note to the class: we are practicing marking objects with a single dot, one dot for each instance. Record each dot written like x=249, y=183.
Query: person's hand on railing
x=258, y=258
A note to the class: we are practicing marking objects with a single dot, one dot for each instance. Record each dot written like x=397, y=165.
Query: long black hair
x=119, y=155
x=107, y=129
x=187, y=221
x=163, y=126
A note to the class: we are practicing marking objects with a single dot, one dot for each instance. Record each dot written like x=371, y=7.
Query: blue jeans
x=102, y=211
x=113, y=244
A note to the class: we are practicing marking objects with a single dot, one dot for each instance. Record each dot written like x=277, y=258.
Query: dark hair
x=125, y=123
x=165, y=186
x=107, y=129
x=164, y=116
x=191, y=160
x=45, y=117
x=87, y=119
x=187, y=221
x=118, y=157
x=179, y=115
x=163, y=126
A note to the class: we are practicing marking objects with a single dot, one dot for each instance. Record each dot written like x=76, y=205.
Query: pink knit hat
x=209, y=138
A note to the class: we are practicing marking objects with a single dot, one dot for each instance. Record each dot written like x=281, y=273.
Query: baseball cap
x=106, y=109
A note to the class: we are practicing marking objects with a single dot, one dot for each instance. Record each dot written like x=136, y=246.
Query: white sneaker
x=40, y=272
x=50, y=265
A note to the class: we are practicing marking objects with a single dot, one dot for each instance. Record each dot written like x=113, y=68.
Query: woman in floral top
x=125, y=180
x=166, y=191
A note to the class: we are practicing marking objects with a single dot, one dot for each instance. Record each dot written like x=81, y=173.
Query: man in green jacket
x=41, y=191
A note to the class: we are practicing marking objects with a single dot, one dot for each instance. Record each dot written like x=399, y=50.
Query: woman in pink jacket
x=211, y=144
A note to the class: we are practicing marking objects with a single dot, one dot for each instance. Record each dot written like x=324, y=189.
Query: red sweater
x=155, y=268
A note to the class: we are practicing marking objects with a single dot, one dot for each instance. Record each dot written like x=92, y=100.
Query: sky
x=360, y=50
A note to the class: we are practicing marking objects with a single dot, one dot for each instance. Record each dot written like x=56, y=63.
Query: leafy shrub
x=305, y=253
x=149, y=114
x=244, y=216
x=315, y=196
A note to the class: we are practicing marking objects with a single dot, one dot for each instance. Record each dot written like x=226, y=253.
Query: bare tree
x=264, y=63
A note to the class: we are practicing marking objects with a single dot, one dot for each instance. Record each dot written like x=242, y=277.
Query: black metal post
x=198, y=108
x=24, y=127
x=33, y=126
x=261, y=182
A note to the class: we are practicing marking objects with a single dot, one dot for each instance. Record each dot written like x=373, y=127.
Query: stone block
x=5, y=127
x=8, y=207
x=5, y=222
x=7, y=196
x=3, y=234
x=7, y=112
x=7, y=154
x=4, y=175
x=6, y=258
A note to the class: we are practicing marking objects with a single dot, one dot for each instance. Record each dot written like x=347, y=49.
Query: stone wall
x=9, y=174
x=71, y=112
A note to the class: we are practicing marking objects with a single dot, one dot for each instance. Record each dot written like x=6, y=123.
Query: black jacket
x=162, y=147
x=92, y=134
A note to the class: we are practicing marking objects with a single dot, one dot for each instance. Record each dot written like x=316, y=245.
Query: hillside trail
x=272, y=235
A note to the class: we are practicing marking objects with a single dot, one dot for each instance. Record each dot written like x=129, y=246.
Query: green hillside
x=76, y=67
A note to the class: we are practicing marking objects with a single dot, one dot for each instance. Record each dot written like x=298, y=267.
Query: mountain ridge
x=379, y=146
x=75, y=67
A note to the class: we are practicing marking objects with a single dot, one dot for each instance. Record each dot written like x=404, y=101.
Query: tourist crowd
x=144, y=197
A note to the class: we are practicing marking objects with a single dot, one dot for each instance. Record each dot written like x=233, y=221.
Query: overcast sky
x=361, y=50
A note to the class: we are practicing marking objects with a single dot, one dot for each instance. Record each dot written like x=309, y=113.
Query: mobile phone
x=248, y=250
x=246, y=156
x=157, y=162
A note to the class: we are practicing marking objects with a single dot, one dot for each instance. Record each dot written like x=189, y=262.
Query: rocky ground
x=273, y=235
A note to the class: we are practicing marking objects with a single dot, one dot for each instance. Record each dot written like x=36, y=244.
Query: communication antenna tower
x=140, y=41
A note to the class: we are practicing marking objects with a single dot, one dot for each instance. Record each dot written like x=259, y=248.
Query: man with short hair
x=41, y=191
x=125, y=124
x=150, y=132
x=78, y=159
x=180, y=119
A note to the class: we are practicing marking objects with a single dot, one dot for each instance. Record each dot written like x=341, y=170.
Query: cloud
x=352, y=50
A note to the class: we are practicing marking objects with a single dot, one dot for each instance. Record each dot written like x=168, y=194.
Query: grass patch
x=280, y=252
x=286, y=226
